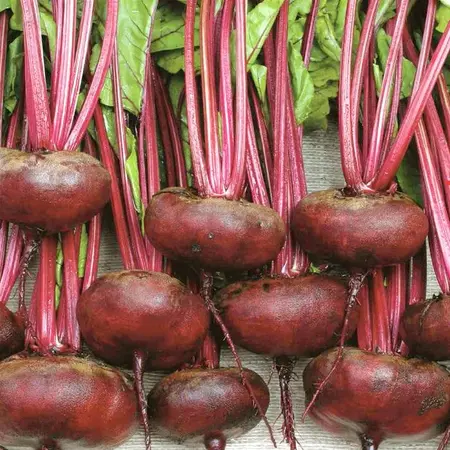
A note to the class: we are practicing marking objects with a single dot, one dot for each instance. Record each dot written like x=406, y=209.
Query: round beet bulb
x=286, y=317
x=425, y=328
x=213, y=233
x=207, y=405
x=379, y=396
x=62, y=401
x=151, y=312
x=51, y=191
x=12, y=333
x=359, y=231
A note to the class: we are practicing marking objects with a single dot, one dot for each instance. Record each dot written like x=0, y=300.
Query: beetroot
x=425, y=328
x=286, y=317
x=51, y=191
x=12, y=333
x=55, y=401
x=213, y=233
x=207, y=406
x=135, y=310
x=359, y=231
x=379, y=396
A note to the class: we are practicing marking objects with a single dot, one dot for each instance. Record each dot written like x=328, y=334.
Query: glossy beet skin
x=425, y=327
x=209, y=405
x=359, y=231
x=12, y=333
x=64, y=402
x=213, y=233
x=127, y=311
x=286, y=317
x=379, y=396
x=51, y=191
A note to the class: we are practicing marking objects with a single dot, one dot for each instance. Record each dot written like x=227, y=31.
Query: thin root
x=355, y=284
x=139, y=361
x=206, y=290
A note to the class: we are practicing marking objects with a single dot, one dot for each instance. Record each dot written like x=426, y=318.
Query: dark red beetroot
x=379, y=396
x=127, y=311
x=425, y=328
x=56, y=400
x=286, y=317
x=12, y=333
x=207, y=406
x=51, y=191
x=359, y=231
x=213, y=233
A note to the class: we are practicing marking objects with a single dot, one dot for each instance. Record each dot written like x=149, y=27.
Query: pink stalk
x=279, y=126
x=445, y=101
x=415, y=109
x=380, y=314
x=394, y=107
x=364, y=331
x=62, y=98
x=69, y=332
x=226, y=92
x=94, y=233
x=96, y=84
x=417, y=290
x=254, y=172
x=397, y=300
x=37, y=106
x=11, y=268
x=264, y=138
x=58, y=15
x=209, y=99
x=192, y=105
x=350, y=156
x=137, y=239
x=360, y=69
x=370, y=105
x=155, y=259
x=120, y=220
x=373, y=160
x=174, y=131
x=79, y=63
x=46, y=325
x=234, y=189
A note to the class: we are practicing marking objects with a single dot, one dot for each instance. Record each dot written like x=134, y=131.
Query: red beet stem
x=46, y=329
x=213, y=159
x=79, y=62
x=192, y=104
x=360, y=68
x=119, y=216
x=206, y=289
x=279, y=130
x=415, y=109
x=174, y=130
x=380, y=317
x=350, y=156
x=365, y=321
x=396, y=280
x=417, y=290
x=37, y=105
x=355, y=284
x=94, y=233
x=137, y=239
x=66, y=29
x=374, y=156
x=226, y=91
x=96, y=84
x=139, y=362
x=255, y=175
x=236, y=186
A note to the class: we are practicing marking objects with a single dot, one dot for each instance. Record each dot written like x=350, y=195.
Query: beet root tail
x=285, y=369
x=139, y=361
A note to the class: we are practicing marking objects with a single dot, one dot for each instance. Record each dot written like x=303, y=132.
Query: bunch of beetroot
x=218, y=236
